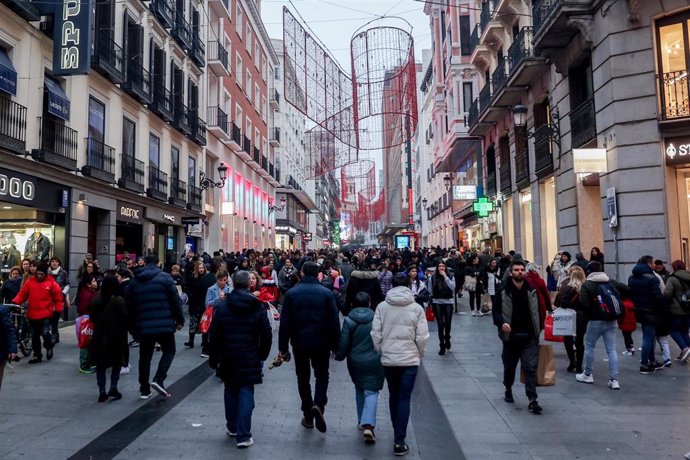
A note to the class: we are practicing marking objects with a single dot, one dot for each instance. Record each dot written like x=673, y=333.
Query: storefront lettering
x=129, y=212
x=17, y=188
x=168, y=217
x=682, y=150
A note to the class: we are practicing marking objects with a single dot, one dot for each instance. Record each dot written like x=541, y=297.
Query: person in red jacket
x=537, y=282
x=45, y=297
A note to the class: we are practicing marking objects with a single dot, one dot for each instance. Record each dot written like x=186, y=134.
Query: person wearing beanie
x=560, y=266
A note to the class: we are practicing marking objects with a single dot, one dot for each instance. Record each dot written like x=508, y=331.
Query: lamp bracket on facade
x=205, y=182
x=551, y=131
x=272, y=208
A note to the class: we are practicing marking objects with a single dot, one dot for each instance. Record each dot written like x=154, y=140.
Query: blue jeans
x=679, y=330
x=596, y=329
x=400, y=385
x=366, y=406
x=239, y=404
x=648, y=340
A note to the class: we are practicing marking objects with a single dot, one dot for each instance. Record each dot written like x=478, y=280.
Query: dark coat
x=10, y=289
x=196, y=290
x=363, y=281
x=363, y=363
x=108, y=346
x=240, y=338
x=156, y=307
x=588, y=294
x=309, y=318
x=8, y=335
x=646, y=295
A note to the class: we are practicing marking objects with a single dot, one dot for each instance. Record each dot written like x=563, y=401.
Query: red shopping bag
x=206, y=318
x=85, y=332
x=430, y=314
x=548, y=331
x=628, y=323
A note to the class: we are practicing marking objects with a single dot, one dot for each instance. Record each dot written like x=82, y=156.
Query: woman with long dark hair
x=196, y=290
x=473, y=284
x=596, y=255
x=442, y=289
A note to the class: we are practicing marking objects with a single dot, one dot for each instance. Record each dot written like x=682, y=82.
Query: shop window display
x=33, y=241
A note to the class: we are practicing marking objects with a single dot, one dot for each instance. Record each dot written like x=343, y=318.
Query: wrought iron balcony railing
x=674, y=94
x=504, y=174
x=12, y=125
x=158, y=184
x=131, y=174
x=522, y=168
x=543, y=157
x=194, y=200
x=137, y=81
x=100, y=160
x=521, y=48
x=583, y=127
x=108, y=57
x=178, y=192
x=541, y=11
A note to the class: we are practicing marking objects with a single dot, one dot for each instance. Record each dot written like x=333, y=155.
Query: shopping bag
x=564, y=322
x=548, y=331
x=470, y=284
x=273, y=311
x=84, y=331
x=486, y=303
x=206, y=318
x=430, y=314
x=546, y=367
x=628, y=323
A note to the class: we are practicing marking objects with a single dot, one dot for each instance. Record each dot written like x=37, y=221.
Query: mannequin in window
x=37, y=246
x=10, y=254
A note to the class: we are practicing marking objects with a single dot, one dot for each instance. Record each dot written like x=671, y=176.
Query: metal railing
x=181, y=30
x=162, y=99
x=264, y=162
x=236, y=134
x=543, y=157
x=541, y=11
x=485, y=15
x=504, y=173
x=473, y=113
x=12, y=125
x=218, y=118
x=583, y=126
x=474, y=38
x=58, y=139
x=158, y=180
x=217, y=52
x=100, y=156
x=198, y=129
x=485, y=97
x=198, y=48
x=163, y=10
x=247, y=145
x=521, y=48
x=257, y=155
x=194, y=196
x=178, y=189
x=500, y=74
x=132, y=169
x=491, y=184
x=108, y=52
x=138, y=78
x=182, y=117
x=675, y=97
x=276, y=135
x=522, y=167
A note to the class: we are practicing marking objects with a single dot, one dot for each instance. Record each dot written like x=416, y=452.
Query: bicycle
x=21, y=325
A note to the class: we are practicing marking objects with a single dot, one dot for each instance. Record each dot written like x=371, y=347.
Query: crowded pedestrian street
x=51, y=410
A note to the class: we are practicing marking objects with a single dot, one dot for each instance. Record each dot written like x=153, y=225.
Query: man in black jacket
x=309, y=321
x=240, y=340
x=155, y=313
x=8, y=340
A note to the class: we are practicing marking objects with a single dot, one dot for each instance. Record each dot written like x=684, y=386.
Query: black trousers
x=575, y=356
x=54, y=321
x=305, y=361
x=40, y=328
x=475, y=300
x=526, y=351
x=444, y=320
x=628, y=339
x=146, y=345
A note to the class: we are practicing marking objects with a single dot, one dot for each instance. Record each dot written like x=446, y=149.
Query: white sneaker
x=204, y=355
x=474, y=313
x=248, y=443
x=630, y=352
x=685, y=355
x=613, y=384
x=584, y=378
x=126, y=370
x=230, y=433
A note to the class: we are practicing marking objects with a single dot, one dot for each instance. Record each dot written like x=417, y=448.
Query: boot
x=190, y=344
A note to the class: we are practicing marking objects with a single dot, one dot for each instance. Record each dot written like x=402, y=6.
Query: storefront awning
x=463, y=149
x=391, y=229
x=8, y=76
x=58, y=102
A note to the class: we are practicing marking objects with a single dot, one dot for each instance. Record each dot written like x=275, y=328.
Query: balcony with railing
x=162, y=102
x=490, y=184
x=583, y=127
x=218, y=123
x=100, y=161
x=158, y=184
x=257, y=156
x=218, y=59
x=490, y=26
x=198, y=129
x=178, y=192
x=137, y=82
x=551, y=20
x=182, y=119
x=264, y=163
x=131, y=174
x=198, y=51
x=247, y=146
x=275, y=137
x=543, y=156
x=504, y=175
x=485, y=98
x=674, y=95
x=500, y=74
x=163, y=10
x=220, y=7
x=181, y=31
x=108, y=57
x=12, y=125
x=274, y=100
x=474, y=38
x=235, y=138
x=473, y=113
x=522, y=168
x=58, y=144
x=194, y=198
x=526, y=66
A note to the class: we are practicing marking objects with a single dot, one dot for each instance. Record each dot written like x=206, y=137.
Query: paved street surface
x=49, y=410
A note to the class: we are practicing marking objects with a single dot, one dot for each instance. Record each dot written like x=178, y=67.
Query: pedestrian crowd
x=368, y=307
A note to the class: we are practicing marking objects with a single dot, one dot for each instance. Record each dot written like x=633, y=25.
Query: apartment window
x=276, y=73
x=465, y=32
x=175, y=162
x=239, y=19
x=248, y=88
x=249, y=133
x=264, y=68
x=257, y=97
x=158, y=68
x=133, y=38
x=239, y=72
x=154, y=150
x=582, y=116
x=264, y=109
x=177, y=87
x=673, y=53
x=467, y=96
x=239, y=121
x=129, y=129
x=248, y=42
x=191, y=171
x=257, y=54
x=257, y=137
x=96, y=120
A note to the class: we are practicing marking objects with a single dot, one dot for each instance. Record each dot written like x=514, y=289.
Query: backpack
x=684, y=296
x=609, y=303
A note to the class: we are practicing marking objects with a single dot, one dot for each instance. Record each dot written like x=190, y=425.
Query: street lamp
x=205, y=182
x=424, y=202
x=551, y=131
x=273, y=208
x=447, y=181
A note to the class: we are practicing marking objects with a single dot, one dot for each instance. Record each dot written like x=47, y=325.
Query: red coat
x=84, y=299
x=44, y=298
x=543, y=294
x=267, y=293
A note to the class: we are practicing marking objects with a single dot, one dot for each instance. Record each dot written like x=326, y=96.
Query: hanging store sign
x=307, y=237
x=588, y=161
x=465, y=192
x=72, y=44
x=677, y=150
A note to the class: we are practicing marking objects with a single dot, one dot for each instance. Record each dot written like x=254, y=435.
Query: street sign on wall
x=465, y=192
x=612, y=207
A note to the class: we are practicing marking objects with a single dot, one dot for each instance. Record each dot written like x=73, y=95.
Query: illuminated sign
x=464, y=192
x=72, y=44
x=482, y=206
x=589, y=161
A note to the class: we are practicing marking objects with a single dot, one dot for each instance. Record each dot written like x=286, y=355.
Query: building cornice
x=262, y=30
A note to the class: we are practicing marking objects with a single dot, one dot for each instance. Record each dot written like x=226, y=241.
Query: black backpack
x=609, y=303
x=684, y=296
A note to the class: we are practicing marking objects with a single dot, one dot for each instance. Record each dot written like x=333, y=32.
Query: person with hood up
x=560, y=266
x=363, y=362
x=239, y=340
x=580, y=260
x=677, y=285
x=649, y=309
x=363, y=280
x=268, y=283
x=400, y=333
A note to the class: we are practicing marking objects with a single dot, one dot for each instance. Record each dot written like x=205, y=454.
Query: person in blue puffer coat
x=155, y=314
